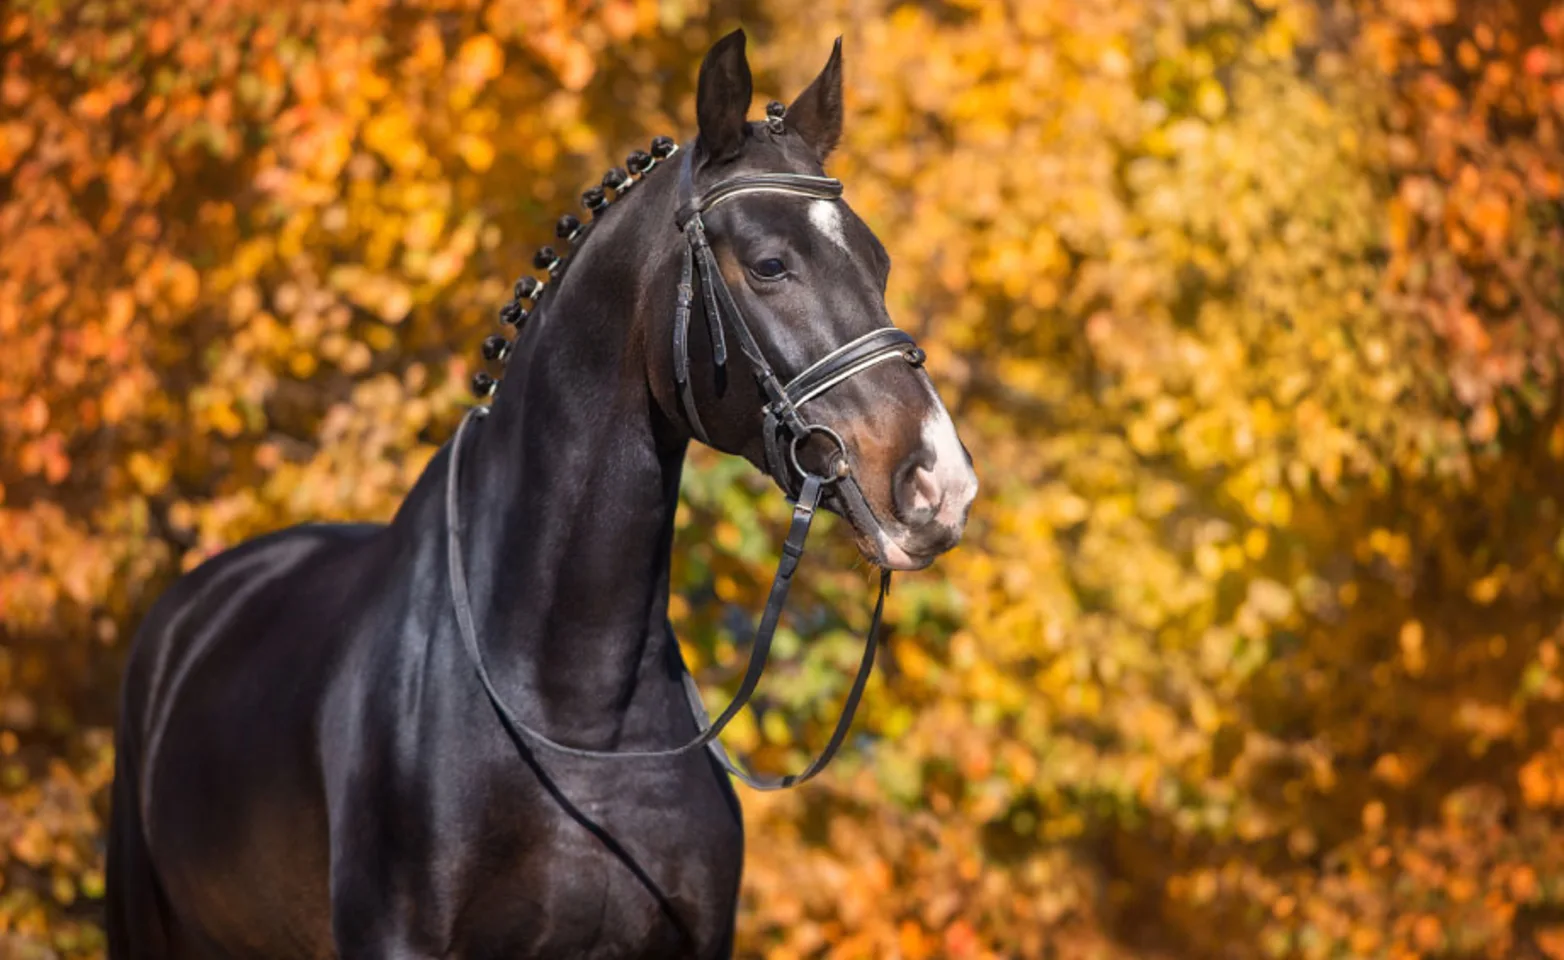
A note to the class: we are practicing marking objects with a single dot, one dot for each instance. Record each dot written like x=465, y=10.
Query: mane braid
x=572, y=231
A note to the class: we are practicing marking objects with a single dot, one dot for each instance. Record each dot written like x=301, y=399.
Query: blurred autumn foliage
x=1250, y=313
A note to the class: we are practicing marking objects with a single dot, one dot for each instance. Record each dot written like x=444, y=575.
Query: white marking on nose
x=828, y=220
x=954, y=484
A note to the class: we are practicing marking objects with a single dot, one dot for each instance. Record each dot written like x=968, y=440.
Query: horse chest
x=623, y=876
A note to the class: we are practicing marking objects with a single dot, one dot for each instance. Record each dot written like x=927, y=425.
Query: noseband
x=784, y=429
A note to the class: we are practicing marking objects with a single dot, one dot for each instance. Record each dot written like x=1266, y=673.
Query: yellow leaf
x=1210, y=99
x=480, y=59
x=1485, y=591
x=1411, y=639
x=476, y=151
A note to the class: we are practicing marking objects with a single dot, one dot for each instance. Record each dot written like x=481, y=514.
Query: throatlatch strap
x=708, y=268
x=792, y=549
x=681, y=346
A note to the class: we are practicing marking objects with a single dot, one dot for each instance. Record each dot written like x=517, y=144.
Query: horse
x=468, y=732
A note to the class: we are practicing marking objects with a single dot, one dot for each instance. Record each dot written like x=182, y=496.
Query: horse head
x=804, y=279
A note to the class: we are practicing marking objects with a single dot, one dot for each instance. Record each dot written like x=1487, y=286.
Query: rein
x=784, y=429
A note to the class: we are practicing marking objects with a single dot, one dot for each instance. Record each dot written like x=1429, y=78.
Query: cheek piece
x=784, y=430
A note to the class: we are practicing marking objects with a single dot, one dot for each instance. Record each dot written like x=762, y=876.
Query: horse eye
x=770, y=269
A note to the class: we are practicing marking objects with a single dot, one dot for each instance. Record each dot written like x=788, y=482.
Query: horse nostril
x=917, y=493
x=926, y=492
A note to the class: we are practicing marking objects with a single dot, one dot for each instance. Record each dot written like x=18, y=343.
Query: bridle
x=784, y=429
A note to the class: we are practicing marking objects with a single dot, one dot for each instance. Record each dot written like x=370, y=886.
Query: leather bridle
x=784, y=429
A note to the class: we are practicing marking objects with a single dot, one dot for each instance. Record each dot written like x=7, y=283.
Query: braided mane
x=571, y=230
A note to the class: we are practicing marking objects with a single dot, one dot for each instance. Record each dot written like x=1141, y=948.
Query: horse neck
x=574, y=484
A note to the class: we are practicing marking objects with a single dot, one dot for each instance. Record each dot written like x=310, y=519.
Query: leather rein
x=784, y=429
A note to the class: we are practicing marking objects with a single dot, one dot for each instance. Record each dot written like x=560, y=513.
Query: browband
x=796, y=184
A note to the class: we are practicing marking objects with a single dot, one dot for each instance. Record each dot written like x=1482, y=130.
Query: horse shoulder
x=221, y=691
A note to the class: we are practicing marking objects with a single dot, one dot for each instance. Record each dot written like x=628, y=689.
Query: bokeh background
x=1248, y=309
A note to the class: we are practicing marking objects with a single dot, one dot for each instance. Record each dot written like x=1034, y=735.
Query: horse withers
x=385, y=741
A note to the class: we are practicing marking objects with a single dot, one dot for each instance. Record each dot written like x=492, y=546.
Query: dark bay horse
x=315, y=756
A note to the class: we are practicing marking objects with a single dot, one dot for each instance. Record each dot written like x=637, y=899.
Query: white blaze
x=828, y=220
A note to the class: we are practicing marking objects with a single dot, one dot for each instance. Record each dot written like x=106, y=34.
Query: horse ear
x=817, y=113
x=722, y=98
